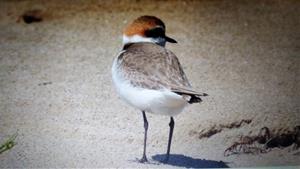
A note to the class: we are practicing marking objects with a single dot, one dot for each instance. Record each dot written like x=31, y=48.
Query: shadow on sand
x=189, y=162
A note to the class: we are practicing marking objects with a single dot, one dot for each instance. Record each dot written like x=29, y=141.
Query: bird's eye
x=155, y=32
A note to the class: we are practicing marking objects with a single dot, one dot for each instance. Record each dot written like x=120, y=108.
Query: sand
x=56, y=89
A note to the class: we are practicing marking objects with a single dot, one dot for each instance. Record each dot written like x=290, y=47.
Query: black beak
x=170, y=40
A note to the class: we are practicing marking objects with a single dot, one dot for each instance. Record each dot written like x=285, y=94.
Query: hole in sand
x=31, y=16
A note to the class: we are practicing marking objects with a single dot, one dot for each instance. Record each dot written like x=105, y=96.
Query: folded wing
x=153, y=67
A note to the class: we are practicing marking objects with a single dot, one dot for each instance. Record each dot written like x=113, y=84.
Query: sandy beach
x=56, y=89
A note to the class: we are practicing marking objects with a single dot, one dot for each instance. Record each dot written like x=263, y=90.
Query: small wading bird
x=149, y=77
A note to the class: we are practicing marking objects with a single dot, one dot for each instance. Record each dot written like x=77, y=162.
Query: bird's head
x=146, y=29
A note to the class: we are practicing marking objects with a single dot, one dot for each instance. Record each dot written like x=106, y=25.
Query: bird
x=149, y=77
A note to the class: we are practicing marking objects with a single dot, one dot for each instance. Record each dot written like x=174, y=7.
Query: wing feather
x=153, y=67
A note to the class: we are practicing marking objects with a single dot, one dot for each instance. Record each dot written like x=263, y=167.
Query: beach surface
x=56, y=89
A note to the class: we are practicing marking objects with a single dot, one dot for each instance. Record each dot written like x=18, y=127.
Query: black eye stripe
x=155, y=32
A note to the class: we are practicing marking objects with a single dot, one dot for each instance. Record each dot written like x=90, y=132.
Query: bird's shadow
x=189, y=162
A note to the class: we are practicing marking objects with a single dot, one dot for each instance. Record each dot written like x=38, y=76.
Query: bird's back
x=151, y=66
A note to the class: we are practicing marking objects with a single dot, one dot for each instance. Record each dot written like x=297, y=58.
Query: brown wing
x=153, y=67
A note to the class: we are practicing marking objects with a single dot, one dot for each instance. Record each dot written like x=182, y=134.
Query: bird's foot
x=143, y=159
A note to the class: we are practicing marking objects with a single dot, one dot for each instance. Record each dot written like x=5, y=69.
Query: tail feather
x=187, y=92
x=194, y=99
x=194, y=96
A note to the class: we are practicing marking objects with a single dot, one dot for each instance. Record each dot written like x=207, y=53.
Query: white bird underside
x=163, y=102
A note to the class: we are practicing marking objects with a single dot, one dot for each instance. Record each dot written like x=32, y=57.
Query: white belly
x=162, y=102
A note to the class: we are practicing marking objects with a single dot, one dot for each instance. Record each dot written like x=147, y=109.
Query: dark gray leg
x=144, y=158
x=171, y=124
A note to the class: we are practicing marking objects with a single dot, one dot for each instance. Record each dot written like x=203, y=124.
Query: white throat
x=138, y=38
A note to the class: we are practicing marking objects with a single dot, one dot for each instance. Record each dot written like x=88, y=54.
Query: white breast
x=162, y=102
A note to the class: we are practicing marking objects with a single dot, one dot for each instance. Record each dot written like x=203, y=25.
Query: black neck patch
x=126, y=46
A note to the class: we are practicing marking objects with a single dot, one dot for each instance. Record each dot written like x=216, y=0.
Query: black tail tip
x=205, y=94
x=195, y=99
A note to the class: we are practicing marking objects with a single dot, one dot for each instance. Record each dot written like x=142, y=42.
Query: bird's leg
x=144, y=158
x=171, y=124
